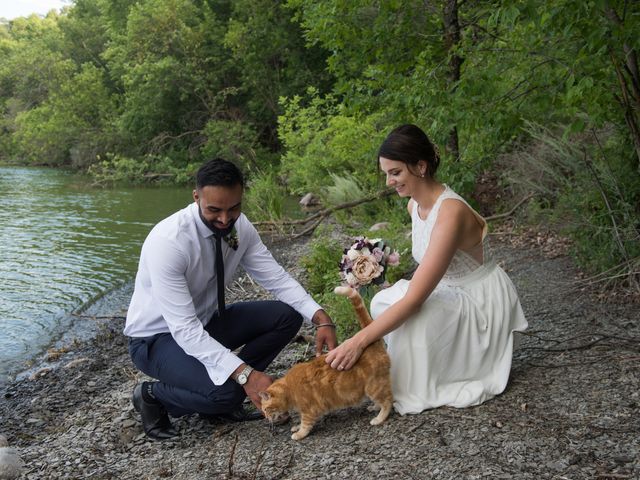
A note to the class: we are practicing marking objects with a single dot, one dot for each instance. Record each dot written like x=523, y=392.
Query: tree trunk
x=451, y=40
x=630, y=96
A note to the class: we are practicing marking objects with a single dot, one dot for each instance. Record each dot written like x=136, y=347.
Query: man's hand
x=257, y=382
x=325, y=333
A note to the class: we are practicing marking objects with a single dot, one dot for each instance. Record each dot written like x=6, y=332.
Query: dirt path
x=571, y=410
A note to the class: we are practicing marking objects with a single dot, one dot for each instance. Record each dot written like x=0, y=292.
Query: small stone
x=76, y=362
x=327, y=461
x=40, y=373
x=379, y=226
x=309, y=200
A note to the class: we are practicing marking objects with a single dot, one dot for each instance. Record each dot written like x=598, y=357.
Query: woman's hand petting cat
x=326, y=334
x=345, y=356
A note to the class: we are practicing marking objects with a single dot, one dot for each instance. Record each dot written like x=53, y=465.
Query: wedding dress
x=456, y=350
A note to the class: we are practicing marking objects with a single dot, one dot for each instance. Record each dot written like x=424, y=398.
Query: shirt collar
x=203, y=230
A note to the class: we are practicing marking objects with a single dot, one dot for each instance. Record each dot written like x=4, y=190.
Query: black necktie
x=220, y=274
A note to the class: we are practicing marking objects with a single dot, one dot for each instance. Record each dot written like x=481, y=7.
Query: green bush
x=320, y=142
x=588, y=188
x=237, y=142
x=264, y=198
x=158, y=169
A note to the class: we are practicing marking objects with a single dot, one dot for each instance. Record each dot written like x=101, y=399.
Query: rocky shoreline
x=571, y=410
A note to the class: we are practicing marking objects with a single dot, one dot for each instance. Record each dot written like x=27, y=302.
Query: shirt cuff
x=223, y=370
x=309, y=309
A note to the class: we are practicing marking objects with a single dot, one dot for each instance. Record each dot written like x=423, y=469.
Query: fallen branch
x=310, y=229
x=153, y=176
x=614, y=475
x=631, y=341
x=286, y=468
x=322, y=214
x=561, y=365
x=510, y=212
x=415, y=427
x=566, y=349
x=231, y=455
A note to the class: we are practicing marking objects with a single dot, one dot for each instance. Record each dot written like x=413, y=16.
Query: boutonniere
x=232, y=239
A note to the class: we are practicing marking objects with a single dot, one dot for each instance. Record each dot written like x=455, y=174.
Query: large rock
x=309, y=200
x=11, y=464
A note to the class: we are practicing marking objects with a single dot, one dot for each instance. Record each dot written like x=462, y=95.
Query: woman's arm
x=446, y=237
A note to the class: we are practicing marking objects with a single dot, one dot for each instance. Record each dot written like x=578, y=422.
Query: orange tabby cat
x=314, y=388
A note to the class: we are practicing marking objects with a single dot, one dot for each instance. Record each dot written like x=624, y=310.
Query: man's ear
x=195, y=195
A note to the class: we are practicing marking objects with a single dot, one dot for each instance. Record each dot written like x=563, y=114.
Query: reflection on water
x=62, y=243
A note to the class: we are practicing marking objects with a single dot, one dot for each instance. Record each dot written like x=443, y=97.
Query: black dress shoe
x=155, y=420
x=239, y=414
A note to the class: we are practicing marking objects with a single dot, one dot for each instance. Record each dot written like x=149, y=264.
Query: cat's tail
x=356, y=300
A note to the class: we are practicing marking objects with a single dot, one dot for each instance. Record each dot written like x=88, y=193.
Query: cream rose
x=352, y=254
x=366, y=268
x=351, y=280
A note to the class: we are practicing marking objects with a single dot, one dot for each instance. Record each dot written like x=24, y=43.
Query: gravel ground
x=571, y=410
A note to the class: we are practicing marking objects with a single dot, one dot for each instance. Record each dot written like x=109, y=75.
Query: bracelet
x=325, y=325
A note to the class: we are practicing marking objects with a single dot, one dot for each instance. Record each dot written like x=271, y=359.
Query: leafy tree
x=72, y=126
x=31, y=68
x=32, y=62
x=173, y=66
x=269, y=52
x=85, y=33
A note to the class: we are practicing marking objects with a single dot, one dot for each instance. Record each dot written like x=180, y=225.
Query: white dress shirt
x=175, y=289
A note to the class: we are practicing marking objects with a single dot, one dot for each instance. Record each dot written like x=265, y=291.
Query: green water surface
x=63, y=243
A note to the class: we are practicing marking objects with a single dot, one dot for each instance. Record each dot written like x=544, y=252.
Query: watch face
x=242, y=379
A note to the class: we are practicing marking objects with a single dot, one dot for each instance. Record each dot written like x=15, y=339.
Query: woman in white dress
x=450, y=329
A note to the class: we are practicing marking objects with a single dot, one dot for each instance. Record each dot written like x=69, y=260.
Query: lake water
x=63, y=244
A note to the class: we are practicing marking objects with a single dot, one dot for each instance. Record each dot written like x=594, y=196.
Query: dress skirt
x=457, y=349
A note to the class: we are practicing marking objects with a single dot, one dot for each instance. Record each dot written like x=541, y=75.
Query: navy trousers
x=184, y=387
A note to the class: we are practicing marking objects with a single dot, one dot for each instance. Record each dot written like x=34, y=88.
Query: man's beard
x=216, y=231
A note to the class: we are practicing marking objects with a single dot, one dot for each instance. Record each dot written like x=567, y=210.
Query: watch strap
x=245, y=371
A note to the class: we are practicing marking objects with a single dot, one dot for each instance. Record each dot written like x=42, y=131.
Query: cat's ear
x=264, y=395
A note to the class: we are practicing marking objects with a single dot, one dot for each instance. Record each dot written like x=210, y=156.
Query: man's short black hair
x=219, y=173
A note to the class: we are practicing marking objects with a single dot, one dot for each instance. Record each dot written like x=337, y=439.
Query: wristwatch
x=243, y=376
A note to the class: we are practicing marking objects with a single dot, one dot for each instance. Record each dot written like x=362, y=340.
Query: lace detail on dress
x=463, y=262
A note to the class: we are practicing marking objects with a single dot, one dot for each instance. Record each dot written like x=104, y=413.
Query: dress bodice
x=463, y=262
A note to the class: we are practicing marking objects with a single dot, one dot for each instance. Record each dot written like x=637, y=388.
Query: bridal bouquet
x=366, y=261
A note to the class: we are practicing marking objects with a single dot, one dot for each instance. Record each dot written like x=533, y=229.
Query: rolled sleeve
x=264, y=269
